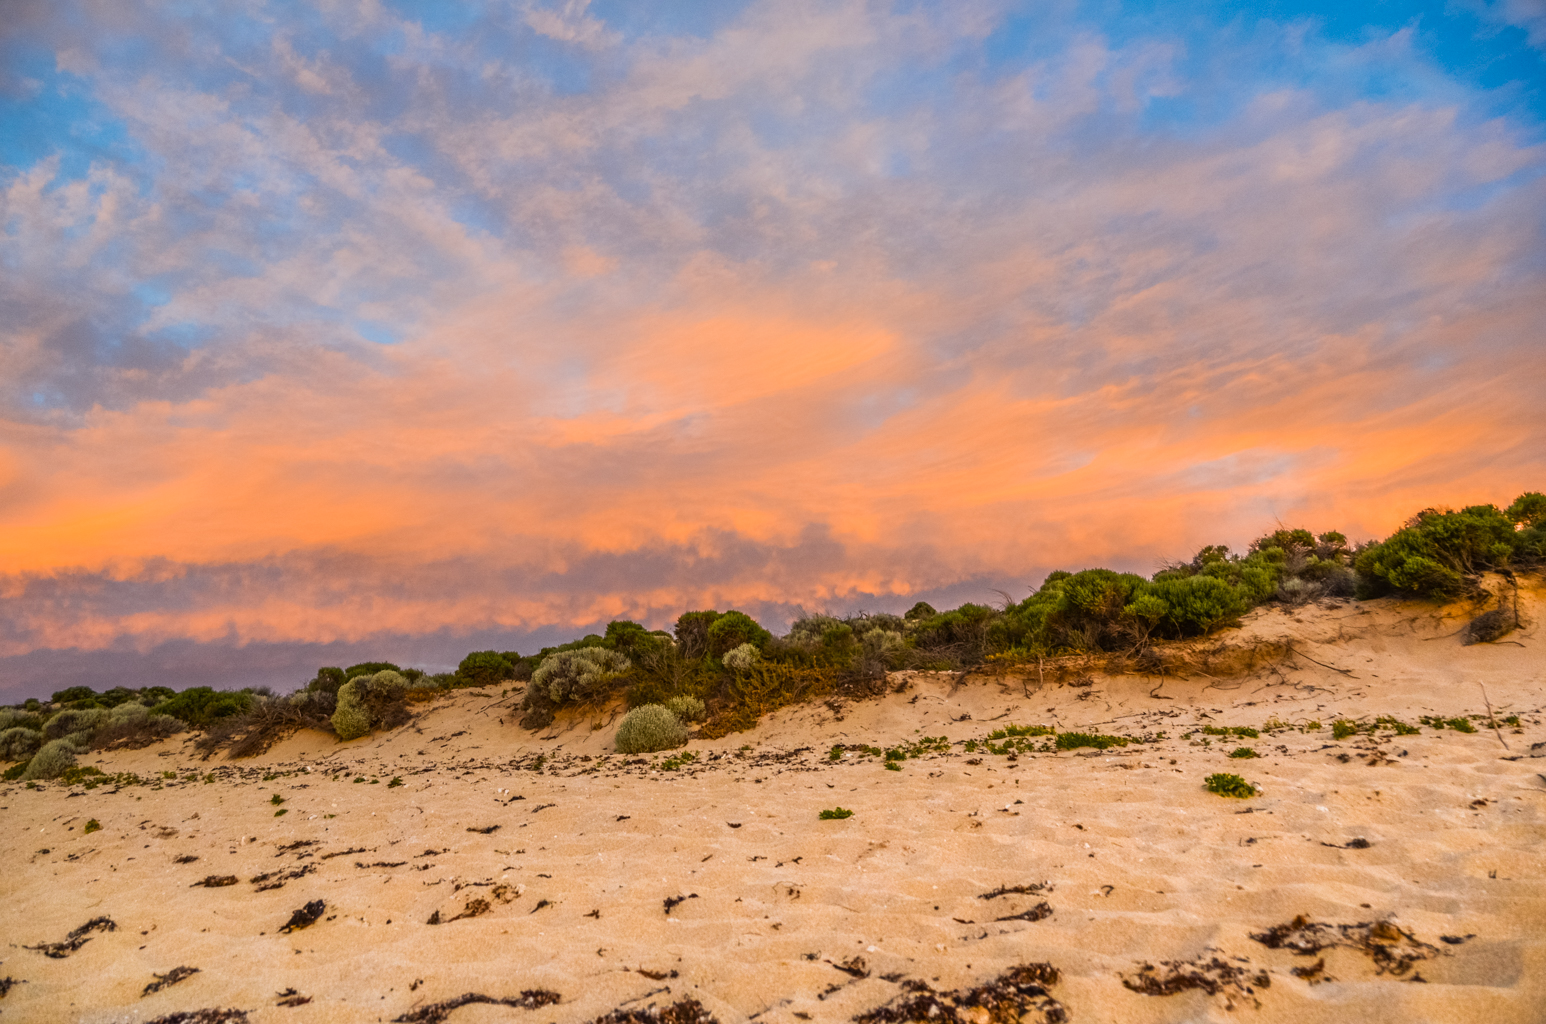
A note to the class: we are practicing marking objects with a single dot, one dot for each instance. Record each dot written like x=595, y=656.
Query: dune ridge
x=463, y=869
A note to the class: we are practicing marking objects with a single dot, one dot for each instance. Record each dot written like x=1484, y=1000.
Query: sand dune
x=1414, y=861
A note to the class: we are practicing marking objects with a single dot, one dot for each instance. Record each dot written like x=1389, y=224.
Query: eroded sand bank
x=561, y=872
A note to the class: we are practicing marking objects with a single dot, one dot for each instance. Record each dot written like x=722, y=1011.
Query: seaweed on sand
x=168, y=979
x=76, y=939
x=685, y=1011
x=305, y=917
x=1039, y=912
x=1006, y=999
x=1212, y=976
x=1033, y=889
x=211, y=1015
x=1393, y=950
x=214, y=882
x=437, y=1013
x=5, y=985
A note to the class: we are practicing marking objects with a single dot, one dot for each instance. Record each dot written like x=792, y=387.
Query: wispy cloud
x=370, y=326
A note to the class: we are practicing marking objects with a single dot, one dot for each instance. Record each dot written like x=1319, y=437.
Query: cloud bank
x=369, y=327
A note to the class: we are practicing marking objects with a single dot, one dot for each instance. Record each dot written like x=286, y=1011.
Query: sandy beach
x=1377, y=877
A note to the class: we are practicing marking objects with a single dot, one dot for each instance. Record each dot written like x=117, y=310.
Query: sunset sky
x=377, y=328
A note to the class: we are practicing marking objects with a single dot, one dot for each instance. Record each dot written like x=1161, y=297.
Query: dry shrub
x=767, y=687
x=128, y=733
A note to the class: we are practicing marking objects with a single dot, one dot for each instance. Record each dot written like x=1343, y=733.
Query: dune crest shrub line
x=722, y=671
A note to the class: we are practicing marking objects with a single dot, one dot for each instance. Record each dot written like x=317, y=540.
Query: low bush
x=835, y=814
x=51, y=761
x=742, y=658
x=1074, y=740
x=76, y=721
x=19, y=744
x=376, y=701
x=733, y=629
x=1243, y=752
x=133, y=731
x=688, y=709
x=573, y=677
x=199, y=706
x=647, y=729
x=1225, y=784
x=485, y=668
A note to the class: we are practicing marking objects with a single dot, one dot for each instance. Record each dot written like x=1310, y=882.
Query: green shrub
x=76, y=721
x=200, y=705
x=485, y=668
x=731, y=630
x=920, y=611
x=1243, y=752
x=1437, y=550
x=370, y=702
x=574, y=677
x=1341, y=729
x=1074, y=740
x=91, y=826
x=688, y=709
x=51, y=761
x=692, y=633
x=836, y=814
x=18, y=743
x=72, y=694
x=351, y=720
x=328, y=680
x=1225, y=784
x=647, y=729
x=742, y=658
x=370, y=668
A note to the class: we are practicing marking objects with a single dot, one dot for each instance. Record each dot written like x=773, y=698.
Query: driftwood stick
x=1322, y=664
x=1493, y=721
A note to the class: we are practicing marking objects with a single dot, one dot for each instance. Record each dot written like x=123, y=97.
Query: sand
x=619, y=884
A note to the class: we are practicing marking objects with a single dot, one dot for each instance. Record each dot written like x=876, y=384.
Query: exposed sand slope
x=1141, y=864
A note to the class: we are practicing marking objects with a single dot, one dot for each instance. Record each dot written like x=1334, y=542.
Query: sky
x=332, y=331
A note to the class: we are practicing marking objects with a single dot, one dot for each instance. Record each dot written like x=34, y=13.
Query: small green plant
x=1074, y=740
x=1243, y=752
x=1511, y=720
x=281, y=812
x=1397, y=726
x=676, y=761
x=397, y=780
x=1311, y=726
x=892, y=766
x=276, y=799
x=687, y=708
x=1341, y=729
x=14, y=772
x=648, y=728
x=836, y=814
x=1244, y=731
x=1458, y=724
x=91, y=826
x=836, y=753
x=1225, y=784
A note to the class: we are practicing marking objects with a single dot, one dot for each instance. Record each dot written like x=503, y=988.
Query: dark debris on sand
x=1039, y=912
x=1007, y=999
x=436, y=1013
x=214, y=882
x=1393, y=950
x=76, y=939
x=5, y=985
x=686, y=1011
x=208, y=1016
x=168, y=979
x=1212, y=975
x=276, y=879
x=290, y=997
x=305, y=917
x=1034, y=889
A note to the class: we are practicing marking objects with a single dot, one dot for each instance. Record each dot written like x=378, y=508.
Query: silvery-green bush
x=686, y=708
x=18, y=744
x=742, y=658
x=351, y=720
x=51, y=761
x=649, y=728
x=566, y=677
x=76, y=721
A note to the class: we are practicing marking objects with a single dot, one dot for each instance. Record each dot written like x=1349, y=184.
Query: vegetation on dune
x=723, y=671
x=649, y=728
